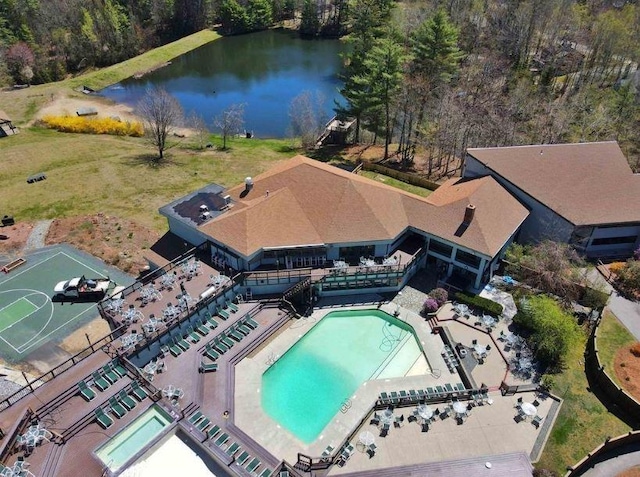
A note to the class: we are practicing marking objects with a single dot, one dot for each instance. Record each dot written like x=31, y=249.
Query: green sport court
x=28, y=317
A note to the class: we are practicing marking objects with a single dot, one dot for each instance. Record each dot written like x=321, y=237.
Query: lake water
x=263, y=70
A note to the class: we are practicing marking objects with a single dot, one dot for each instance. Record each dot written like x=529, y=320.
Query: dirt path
x=38, y=235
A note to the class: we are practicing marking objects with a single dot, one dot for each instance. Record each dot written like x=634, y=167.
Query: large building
x=583, y=194
x=306, y=214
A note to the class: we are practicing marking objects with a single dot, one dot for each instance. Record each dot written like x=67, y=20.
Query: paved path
x=38, y=235
x=628, y=312
x=615, y=462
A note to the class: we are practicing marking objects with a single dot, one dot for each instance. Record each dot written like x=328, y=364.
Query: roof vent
x=205, y=215
x=468, y=214
x=227, y=200
x=203, y=208
x=248, y=183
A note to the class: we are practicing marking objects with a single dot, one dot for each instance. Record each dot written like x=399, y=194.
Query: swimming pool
x=305, y=388
x=133, y=438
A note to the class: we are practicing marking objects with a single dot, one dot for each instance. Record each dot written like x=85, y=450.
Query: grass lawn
x=396, y=183
x=21, y=105
x=87, y=174
x=612, y=336
x=583, y=422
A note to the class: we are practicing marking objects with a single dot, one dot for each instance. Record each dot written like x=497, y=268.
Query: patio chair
x=425, y=426
x=195, y=417
x=138, y=392
x=536, y=421
x=327, y=452
x=220, y=441
x=444, y=413
x=233, y=448
x=116, y=408
x=101, y=383
x=212, y=432
x=536, y=403
x=208, y=367
x=223, y=314
x=384, y=432
x=371, y=450
x=85, y=391
x=250, y=322
x=375, y=421
x=412, y=418
x=242, y=458
x=253, y=465
x=126, y=400
x=103, y=420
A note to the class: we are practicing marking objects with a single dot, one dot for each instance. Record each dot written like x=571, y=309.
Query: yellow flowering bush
x=94, y=125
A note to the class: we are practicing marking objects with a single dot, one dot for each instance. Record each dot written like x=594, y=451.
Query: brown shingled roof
x=586, y=183
x=314, y=203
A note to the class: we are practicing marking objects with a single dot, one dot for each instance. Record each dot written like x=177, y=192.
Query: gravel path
x=38, y=235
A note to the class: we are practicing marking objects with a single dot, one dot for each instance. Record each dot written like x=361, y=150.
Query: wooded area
x=427, y=78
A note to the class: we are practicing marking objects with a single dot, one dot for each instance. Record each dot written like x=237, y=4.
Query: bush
x=629, y=276
x=440, y=295
x=84, y=125
x=430, y=306
x=593, y=298
x=482, y=304
x=553, y=330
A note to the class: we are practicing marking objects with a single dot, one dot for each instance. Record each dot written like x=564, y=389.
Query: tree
x=260, y=14
x=199, y=126
x=161, y=113
x=307, y=117
x=20, y=60
x=230, y=122
x=309, y=21
x=233, y=17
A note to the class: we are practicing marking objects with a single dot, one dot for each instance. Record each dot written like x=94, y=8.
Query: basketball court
x=29, y=319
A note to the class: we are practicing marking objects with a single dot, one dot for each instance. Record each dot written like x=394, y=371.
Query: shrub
x=440, y=295
x=629, y=276
x=636, y=254
x=616, y=267
x=635, y=350
x=85, y=125
x=593, y=298
x=430, y=305
x=482, y=304
x=553, y=330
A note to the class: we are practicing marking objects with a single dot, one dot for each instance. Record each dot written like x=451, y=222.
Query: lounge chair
x=175, y=350
x=203, y=329
x=234, y=335
x=223, y=314
x=103, y=420
x=195, y=417
x=117, y=408
x=448, y=387
x=101, y=383
x=242, y=458
x=195, y=337
x=220, y=441
x=233, y=448
x=208, y=367
x=203, y=424
x=327, y=452
x=266, y=473
x=182, y=343
x=126, y=400
x=109, y=373
x=403, y=395
x=211, y=353
x=232, y=306
x=85, y=391
x=219, y=347
x=253, y=465
x=394, y=397
x=250, y=322
x=138, y=392
x=117, y=366
x=213, y=324
x=384, y=398
x=226, y=341
x=211, y=433
x=244, y=330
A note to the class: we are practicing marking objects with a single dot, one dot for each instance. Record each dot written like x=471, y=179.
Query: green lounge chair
x=119, y=368
x=139, y=393
x=448, y=387
x=211, y=433
x=85, y=391
x=250, y=322
x=460, y=387
x=101, y=383
x=195, y=337
x=202, y=329
x=116, y=408
x=220, y=441
x=226, y=341
x=253, y=465
x=232, y=306
x=182, y=343
x=242, y=458
x=126, y=400
x=243, y=328
x=266, y=473
x=233, y=448
x=234, y=335
x=213, y=324
x=223, y=314
x=104, y=420
x=208, y=367
x=440, y=390
x=219, y=347
x=110, y=374
x=196, y=417
x=394, y=397
x=211, y=353
x=203, y=424
x=175, y=350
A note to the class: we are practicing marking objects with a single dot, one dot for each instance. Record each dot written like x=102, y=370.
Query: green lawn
x=583, y=422
x=396, y=183
x=612, y=336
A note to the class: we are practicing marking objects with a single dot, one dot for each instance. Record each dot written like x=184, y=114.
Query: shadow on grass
x=150, y=160
x=327, y=154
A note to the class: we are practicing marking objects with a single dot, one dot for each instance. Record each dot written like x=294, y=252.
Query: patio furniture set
x=450, y=358
x=18, y=469
x=528, y=411
x=120, y=404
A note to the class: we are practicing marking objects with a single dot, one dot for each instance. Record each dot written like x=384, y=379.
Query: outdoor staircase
x=297, y=288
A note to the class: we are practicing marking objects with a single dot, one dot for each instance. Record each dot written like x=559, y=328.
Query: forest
x=425, y=78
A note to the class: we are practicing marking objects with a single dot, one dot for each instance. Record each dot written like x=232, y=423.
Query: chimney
x=468, y=214
x=248, y=184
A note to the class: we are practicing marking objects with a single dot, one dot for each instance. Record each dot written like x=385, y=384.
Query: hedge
x=482, y=304
x=79, y=124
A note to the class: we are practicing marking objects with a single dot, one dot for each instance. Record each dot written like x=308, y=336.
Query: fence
x=401, y=176
x=633, y=437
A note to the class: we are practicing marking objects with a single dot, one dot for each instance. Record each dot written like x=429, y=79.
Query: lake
x=263, y=70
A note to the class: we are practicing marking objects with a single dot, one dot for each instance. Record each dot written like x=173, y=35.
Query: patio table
x=459, y=407
x=480, y=350
x=425, y=412
x=151, y=368
x=115, y=305
x=170, y=392
x=528, y=409
x=171, y=312
x=132, y=315
x=366, y=438
x=151, y=325
x=390, y=261
x=461, y=309
x=386, y=417
x=488, y=320
x=168, y=280
x=130, y=340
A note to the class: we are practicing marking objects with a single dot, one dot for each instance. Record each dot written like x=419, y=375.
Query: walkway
x=615, y=462
x=38, y=235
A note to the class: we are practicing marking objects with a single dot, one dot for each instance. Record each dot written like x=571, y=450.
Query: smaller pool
x=133, y=438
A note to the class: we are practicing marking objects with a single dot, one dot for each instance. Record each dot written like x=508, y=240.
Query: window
x=467, y=258
x=614, y=240
x=440, y=248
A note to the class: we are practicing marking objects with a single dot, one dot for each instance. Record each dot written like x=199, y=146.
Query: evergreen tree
x=233, y=17
x=260, y=14
x=309, y=22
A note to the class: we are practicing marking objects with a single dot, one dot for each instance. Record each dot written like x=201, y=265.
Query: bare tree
x=160, y=113
x=199, y=126
x=307, y=117
x=230, y=122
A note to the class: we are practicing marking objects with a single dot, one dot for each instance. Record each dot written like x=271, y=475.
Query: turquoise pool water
x=307, y=386
x=128, y=442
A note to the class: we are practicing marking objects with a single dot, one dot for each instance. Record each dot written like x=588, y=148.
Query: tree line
x=431, y=79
